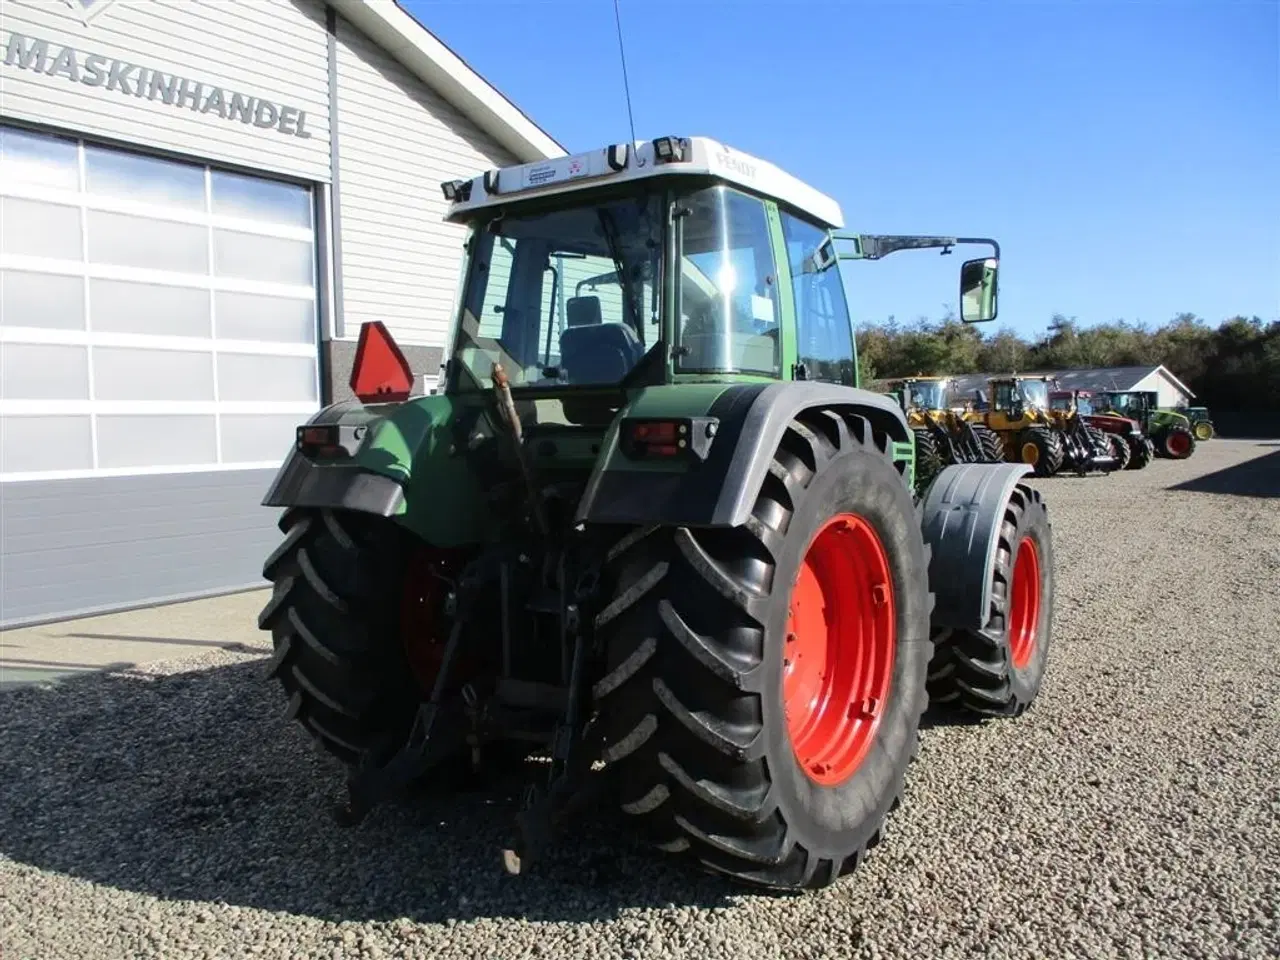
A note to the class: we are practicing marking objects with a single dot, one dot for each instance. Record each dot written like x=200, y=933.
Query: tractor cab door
x=1006, y=411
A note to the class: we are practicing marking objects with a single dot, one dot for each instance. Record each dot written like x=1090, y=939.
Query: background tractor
x=655, y=534
x=1201, y=423
x=1131, y=448
x=942, y=436
x=1169, y=430
x=1035, y=434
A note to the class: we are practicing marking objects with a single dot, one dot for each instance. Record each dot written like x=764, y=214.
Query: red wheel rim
x=419, y=611
x=1024, y=603
x=839, y=650
x=1178, y=444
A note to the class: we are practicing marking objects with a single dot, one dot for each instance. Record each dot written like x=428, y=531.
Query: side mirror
x=978, y=293
x=822, y=259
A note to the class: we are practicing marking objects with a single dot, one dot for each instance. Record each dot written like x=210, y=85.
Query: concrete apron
x=54, y=651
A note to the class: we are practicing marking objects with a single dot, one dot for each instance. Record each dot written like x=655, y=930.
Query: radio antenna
x=626, y=86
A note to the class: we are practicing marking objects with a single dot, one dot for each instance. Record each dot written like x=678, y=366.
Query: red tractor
x=1132, y=448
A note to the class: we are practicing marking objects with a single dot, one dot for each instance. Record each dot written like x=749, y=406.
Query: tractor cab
x=1071, y=401
x=1018, y=397
x=674, y=261
x=922, y=393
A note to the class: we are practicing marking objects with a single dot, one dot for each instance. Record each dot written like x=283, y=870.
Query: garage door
x=158, y=343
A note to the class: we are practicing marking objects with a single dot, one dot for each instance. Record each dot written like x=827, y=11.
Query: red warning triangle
x=380, y=373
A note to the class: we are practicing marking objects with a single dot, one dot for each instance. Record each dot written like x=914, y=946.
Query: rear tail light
x=667, y=439
x=380, y=373
x=329, y=441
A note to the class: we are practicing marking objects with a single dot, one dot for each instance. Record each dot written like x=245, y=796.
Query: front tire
x=1203, y=430
x=997, y=671
x=929, y=458
x=703, y=705
x=1121, y=451
x=1042, y=449
x=991, y=443
x=1141, y=452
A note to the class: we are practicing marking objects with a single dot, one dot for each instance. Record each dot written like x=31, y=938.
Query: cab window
x=824, y=335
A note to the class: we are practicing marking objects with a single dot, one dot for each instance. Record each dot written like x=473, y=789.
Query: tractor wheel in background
x=351, y=620
x=764, y=684
x=1041, y=448
x=1120, y=450
x=930, y=460
x=1178, y=442
x=992, y=443
x=1141, y=452
x=1203, y=429
x=1102, y=446
x=997, y=671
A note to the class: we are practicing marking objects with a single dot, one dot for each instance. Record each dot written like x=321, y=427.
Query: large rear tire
x=344, y=597
x=1177, y=442
x=764, y=683
x=997, y=671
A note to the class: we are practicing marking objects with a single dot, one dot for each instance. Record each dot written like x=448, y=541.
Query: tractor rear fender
x=961, y=516
x=749, y=422
x=391, y=460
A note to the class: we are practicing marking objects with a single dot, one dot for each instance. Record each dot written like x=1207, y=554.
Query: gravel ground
x=1134, y=812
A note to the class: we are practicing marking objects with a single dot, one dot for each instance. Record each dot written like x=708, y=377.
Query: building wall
x=396, y=142
x=1168, y=394
x=88, y=527
x=243, y=82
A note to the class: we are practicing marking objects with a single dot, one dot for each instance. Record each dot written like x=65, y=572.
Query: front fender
x=721, y=490
x=962, y=513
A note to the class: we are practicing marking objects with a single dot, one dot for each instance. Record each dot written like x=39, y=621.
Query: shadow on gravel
x=193, y=786
x=936, y=717
x=1259, y=477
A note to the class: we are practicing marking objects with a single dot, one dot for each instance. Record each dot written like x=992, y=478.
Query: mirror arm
x=876, y=246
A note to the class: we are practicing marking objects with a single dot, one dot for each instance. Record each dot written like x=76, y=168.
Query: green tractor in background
x=1201, y=423
x=1170, y=432
x=653, y=532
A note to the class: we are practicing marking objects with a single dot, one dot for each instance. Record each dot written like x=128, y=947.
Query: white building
x=200, y=203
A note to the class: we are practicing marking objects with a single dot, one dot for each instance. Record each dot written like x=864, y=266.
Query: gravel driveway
x=1134, y=812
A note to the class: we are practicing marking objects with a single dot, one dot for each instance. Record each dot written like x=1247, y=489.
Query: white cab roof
x=623, y=162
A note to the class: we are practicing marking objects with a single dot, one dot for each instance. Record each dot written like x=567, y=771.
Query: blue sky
x=1126, y=154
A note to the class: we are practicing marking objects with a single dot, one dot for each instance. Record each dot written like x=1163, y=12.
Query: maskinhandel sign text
x=134, y=80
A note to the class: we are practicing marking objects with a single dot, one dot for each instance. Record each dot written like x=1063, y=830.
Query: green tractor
x=1201, y=423
x=654, y=533
x=1169, y=431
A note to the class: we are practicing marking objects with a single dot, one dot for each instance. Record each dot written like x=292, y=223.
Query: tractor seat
x=592, y=351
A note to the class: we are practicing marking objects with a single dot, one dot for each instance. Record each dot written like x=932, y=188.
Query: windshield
x=928, y=396
x=1084, y=406
x=1126, y=403
x=566, y=297
x=1035, y=393
x=729, y=306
